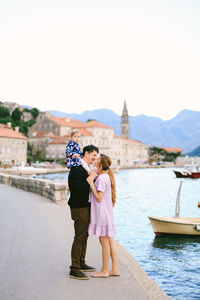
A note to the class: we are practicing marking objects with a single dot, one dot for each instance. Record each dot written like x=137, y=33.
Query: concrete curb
x=149, y=287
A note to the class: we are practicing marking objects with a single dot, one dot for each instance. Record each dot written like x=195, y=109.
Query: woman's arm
x=98, y=194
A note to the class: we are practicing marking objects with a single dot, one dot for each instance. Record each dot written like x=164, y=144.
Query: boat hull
x=183, y=226
x=186, y=174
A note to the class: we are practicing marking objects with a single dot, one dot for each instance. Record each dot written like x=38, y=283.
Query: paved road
x=35, y=242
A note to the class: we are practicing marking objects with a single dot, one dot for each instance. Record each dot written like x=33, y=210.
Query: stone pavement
x=35, y=242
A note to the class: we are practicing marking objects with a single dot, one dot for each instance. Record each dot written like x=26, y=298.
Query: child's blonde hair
x=73, y=132
x=106, y=162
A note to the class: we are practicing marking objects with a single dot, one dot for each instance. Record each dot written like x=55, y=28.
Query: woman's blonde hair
x=106, y=162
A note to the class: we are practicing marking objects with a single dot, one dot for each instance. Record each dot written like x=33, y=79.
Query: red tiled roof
x=117, y=136
x=96, y=124
x=66, y=122
x=138, y=142
x=60, y=140
x=174, y=150
x=85, y=132
x=10, y=133
x=132, y=141
x=76, y=123
x=3, y=126
x=127, y=140
x=41, y=134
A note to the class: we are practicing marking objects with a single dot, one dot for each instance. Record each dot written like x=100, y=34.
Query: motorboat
x=189, y=171
x=185, y=226
x=176, y=224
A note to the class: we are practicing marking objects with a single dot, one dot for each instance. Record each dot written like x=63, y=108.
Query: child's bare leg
x=113, y=254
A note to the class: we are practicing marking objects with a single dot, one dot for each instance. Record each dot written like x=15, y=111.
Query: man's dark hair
x=90, y=149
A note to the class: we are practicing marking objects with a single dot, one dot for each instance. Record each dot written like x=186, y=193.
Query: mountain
x=195, y=152
x=183, y=131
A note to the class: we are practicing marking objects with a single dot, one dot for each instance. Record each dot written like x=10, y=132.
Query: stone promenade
x=35, y=242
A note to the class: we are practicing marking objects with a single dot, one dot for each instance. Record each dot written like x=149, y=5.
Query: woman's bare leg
x=105, y=255
x=113, y=254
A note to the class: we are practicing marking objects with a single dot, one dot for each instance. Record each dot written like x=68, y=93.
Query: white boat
x=175, y=225
x=185, y=226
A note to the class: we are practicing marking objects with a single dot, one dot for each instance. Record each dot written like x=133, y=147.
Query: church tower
x=125, y=122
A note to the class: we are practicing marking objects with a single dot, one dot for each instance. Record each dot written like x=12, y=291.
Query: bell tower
x=125, y=122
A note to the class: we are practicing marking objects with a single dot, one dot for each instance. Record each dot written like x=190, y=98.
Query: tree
x=4, y=112
x=5, y=120
x=16, y=114
x=39, y=155
x=89, y=120
x=158, y=154
x=16, y=118
x=23, y=127
x=26, y=109
x=35, y=112
x=30, y=123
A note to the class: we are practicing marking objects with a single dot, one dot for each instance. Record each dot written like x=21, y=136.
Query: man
x=80, y=212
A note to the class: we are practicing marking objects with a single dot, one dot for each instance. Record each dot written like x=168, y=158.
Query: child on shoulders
x=74, y=153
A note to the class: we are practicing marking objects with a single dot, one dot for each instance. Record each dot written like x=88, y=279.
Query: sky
x=75, y=55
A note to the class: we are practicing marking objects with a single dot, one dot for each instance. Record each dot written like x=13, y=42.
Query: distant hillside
x=182, y=131
x=195, y=152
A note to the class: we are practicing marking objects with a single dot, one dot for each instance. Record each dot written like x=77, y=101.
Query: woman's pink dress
x=101, y=215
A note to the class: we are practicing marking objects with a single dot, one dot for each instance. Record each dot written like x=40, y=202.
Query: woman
x=103, y=198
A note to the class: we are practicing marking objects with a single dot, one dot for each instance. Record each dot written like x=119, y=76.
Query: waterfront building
x=58, y=126
x=187, y=160
x=38, y=140
x=56, y=148
x=125, y=153
x=13, y=146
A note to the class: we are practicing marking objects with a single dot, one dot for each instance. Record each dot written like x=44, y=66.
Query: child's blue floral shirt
x=71, y=149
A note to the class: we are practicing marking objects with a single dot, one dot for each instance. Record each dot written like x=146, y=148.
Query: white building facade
x=13, y=146
x=124, y=153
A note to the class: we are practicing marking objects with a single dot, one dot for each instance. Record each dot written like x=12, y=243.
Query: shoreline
x=132, y=284
x=148, y=285
x=39, y=171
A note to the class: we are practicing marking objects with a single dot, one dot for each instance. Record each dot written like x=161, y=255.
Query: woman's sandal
x=95, y=275
x=115, y=274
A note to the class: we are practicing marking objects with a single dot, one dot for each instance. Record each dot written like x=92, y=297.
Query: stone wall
x=55, y=191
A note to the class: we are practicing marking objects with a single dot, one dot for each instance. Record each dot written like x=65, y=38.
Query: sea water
x=173, y=262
